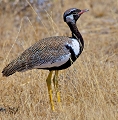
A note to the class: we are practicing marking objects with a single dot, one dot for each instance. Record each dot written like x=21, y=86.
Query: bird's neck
x=76, y=34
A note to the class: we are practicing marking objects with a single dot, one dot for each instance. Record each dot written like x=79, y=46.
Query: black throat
x=76, y=34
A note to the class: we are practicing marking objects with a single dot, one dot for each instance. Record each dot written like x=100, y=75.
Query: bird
x=53, y=53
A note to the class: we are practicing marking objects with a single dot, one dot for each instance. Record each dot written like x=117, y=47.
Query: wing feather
x=46, y=53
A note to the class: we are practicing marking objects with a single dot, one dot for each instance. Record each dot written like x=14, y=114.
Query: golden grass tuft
x=89, y=88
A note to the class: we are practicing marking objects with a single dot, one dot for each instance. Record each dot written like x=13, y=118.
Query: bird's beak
x=82, y=11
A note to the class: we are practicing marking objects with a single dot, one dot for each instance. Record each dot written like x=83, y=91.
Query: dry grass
x=89, y=88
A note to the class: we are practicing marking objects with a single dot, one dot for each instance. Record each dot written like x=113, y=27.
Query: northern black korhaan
x=52, y=53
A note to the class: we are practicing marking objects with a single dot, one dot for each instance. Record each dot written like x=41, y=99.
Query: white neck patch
x=75, y=46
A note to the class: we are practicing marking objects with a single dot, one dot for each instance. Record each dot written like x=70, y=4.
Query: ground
x=89, y=88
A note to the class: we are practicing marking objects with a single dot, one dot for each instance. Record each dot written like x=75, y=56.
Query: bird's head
x=72, y=15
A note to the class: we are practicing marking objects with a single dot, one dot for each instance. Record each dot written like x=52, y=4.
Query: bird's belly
x=64, y=66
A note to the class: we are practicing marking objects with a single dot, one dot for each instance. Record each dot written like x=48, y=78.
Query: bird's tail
x=10, y=69
x=13, y=67
x=17, y=65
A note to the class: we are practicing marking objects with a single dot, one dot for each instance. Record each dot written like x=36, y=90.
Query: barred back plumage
x=48, y=50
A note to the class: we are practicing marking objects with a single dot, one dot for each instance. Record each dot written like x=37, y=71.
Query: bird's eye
x=74, y=13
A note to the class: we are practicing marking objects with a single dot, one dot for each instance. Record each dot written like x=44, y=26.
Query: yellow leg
x=48, y=80
x=56, y=86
